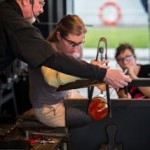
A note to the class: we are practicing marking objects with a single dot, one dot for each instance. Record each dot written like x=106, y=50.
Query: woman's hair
x=69, y=24
x=122, y=47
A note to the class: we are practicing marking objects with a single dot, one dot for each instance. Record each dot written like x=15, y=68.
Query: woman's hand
x=102, y=64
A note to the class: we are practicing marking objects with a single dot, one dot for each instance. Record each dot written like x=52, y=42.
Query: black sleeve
x=27, y=44
x=69, y=65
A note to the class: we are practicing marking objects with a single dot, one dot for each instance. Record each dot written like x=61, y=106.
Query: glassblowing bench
x=128, y=128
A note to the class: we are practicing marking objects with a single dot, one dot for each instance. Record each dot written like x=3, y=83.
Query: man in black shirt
x=19, y=39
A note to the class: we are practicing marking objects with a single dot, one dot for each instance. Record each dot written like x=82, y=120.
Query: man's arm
x=74, y=67
x=27, y=44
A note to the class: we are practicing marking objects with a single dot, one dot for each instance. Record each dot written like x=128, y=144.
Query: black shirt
x=143, y=73
x=20, y=39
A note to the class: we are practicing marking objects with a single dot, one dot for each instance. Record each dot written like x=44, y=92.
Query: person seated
x=67, y=37
x=126, y=58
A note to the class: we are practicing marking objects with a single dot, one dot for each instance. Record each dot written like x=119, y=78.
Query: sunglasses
x=72, y=43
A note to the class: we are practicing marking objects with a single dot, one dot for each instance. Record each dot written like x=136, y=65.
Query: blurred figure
x=126, y=58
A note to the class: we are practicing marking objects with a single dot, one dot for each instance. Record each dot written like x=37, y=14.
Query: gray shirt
x=41, y=93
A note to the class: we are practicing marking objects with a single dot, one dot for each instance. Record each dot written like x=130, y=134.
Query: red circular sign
x=110, y=13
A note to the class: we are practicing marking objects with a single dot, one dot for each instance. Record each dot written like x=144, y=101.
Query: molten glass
x=98, y=108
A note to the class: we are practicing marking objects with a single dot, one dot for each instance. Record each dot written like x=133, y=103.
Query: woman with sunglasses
x=126, y=58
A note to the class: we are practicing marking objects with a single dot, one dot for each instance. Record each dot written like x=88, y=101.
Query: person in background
x=126, y=58
x=19, y=39
x=67, y=37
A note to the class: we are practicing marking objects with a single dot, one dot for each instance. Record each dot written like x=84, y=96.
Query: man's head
x=31, y=8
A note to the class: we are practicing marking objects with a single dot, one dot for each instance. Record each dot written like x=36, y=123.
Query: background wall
x=133, y=12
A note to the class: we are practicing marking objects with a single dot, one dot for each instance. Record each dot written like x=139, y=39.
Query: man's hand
x=117, y=78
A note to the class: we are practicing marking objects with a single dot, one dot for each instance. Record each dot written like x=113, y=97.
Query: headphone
x=31, y=2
